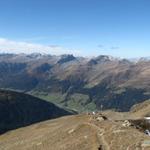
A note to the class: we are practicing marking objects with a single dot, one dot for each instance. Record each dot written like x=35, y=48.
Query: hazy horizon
x=82, y=27
x=89, y=57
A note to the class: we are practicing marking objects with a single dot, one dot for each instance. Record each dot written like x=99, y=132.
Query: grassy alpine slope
x=82, y=132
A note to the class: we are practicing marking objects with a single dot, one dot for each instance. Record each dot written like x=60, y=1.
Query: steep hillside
x=141, y=110
x=81, y=132
x=18, y=109
x=78, y=83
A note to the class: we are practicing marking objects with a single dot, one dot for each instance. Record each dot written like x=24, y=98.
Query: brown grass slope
x=141, y=110
x=80, y=132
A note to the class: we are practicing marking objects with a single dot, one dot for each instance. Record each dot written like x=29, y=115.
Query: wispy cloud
x=11, y=46
x=100, y=46
x=114, y=47
x=107, y=47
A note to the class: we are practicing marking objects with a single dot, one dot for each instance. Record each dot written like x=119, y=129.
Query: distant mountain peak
x=101, y=59
x=66, y=58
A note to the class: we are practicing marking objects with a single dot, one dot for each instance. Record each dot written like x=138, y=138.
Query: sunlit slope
x=81, y=132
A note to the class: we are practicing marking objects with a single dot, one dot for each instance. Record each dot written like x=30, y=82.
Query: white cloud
x=10, y=46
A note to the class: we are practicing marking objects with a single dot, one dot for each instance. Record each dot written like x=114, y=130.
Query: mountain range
x=36, y=89
x=78, y=83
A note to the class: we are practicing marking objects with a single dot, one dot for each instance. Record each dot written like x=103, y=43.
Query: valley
x=78, y=83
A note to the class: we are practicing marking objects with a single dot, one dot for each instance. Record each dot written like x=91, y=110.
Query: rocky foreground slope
x=78, y=83
x=79, y=132
x=18, y=110
x=107, y=130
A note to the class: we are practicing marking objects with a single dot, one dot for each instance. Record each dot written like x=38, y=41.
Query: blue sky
x=84, y=27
